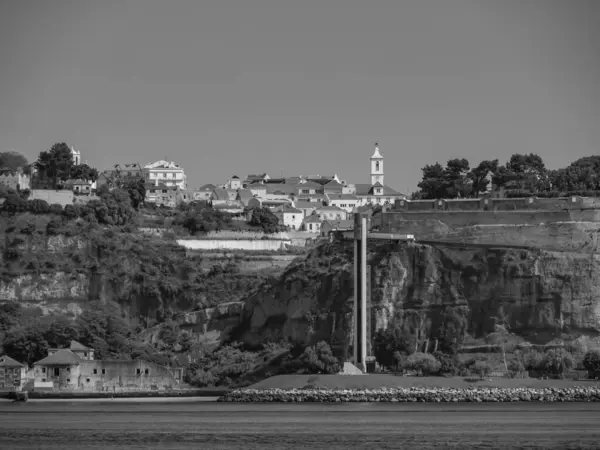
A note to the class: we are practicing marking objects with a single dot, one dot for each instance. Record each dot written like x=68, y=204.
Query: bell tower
x=376, y=166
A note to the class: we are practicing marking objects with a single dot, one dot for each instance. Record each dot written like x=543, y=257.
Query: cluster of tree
x=57, y=165
x=231, y=363
x=264, y=219
x=202, y=220
x=521, y=175
x=12, y=161
x=392, y=345
x=113, y=208
x=27, y=338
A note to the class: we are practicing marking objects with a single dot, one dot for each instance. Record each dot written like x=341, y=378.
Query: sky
x=307, y=87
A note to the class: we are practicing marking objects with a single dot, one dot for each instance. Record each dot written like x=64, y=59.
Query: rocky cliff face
x=539, y=295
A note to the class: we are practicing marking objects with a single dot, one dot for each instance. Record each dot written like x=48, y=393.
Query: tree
x=56, y=163
x=558, y=361
x=456, y=182
x=12, y=161
x=319, y=359
x=137, y=191
x=14, y=204
x=591, y=362
x=83, y=172
x=479, y=176
x=423, y=362
x=432, y=185
x=452, y=330
x=264, y=218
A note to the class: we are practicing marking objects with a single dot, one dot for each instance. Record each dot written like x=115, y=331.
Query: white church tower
x=376, y=167
x=76, y=156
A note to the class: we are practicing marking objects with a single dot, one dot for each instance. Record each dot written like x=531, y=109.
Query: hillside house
x=165, y=173
x=331, y=213
x=66, y=370
x=120, y=173
x=16, y=180
x=312, y=224
x=257, y=190
x=289, y=216
x=225, y=197
x=79, y=349
x=307, y=208
x=333, y=187
x=234, y=183
x=203, y=193
x=256, y=178
x=329, y=226
x=13, y=374
x=308, y=188
x=347, y=202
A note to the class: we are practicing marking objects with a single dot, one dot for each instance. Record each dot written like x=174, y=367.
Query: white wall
x=237, y=244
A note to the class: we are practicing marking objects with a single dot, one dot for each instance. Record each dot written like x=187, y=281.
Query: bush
x=591, y=361
x=56, y=208
x=558, y=361
x=449, y=364
x=481, y=368
x=423, y=362
x=516, y=365
x=38, y=206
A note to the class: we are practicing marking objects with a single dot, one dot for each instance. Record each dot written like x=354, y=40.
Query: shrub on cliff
x=424, y=363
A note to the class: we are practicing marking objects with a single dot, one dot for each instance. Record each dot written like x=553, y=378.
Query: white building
x=376, y=193
x=289, y=216
x=166, y=173
x=347, y=202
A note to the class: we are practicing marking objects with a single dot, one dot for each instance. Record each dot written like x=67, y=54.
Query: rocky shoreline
x=411, y=395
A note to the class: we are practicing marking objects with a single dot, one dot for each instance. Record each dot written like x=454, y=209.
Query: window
x=68, y=369
x=95, y=371
x=68, y=380
x=146, y=371
x=85, y=354
x=138, y=371
x=56, y=371
x=310, y=226
x=103, y=371
x=305, y=191
x=43, y=370
x=376, y=166
x=293, y=217
x=43, y=380
x=87, y=380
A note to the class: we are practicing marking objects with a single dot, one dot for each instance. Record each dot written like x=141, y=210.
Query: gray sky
x=303, y=87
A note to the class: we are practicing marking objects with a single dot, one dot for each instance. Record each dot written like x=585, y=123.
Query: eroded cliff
x=539, y=295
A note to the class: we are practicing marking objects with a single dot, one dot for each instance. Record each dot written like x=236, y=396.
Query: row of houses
x=75, y=369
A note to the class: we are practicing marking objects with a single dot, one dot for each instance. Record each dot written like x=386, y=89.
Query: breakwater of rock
x=433, y=395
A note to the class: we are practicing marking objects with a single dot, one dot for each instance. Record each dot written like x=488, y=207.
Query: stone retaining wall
x=434, y=395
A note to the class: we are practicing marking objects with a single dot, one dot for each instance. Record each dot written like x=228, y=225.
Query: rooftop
x=63, y=357
x=78, y=346
x=7, y=361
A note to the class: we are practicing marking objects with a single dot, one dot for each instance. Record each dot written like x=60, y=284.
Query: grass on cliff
x=376, y=381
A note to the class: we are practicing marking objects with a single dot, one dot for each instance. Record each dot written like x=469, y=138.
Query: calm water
x=201, y=424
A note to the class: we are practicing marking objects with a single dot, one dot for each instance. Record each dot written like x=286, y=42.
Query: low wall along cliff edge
x=234, y=244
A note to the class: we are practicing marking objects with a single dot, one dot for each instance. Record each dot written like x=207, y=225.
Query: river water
x=200, y=424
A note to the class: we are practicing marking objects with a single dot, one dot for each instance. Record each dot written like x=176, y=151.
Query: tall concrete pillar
x=360, y=291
